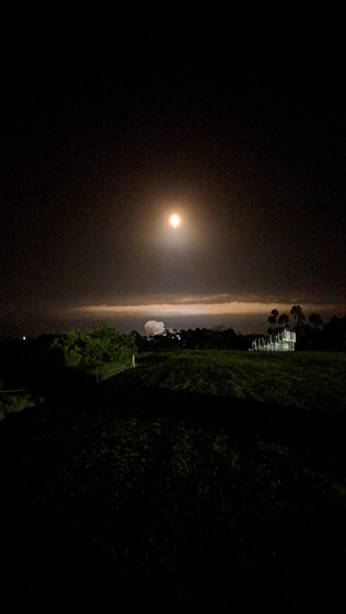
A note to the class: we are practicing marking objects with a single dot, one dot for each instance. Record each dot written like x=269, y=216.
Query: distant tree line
x=312, y=334
x=36, y=360
x=193, y=339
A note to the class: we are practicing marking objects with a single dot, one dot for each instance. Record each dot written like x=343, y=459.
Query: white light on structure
x=174, y=220
x=283, y=341
x=24, y=338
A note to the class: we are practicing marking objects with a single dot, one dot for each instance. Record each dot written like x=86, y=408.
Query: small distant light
x=24, y=338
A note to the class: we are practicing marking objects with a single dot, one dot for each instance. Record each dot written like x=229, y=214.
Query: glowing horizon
x=200, y=308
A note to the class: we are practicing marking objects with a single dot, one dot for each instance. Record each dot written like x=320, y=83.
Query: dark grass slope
x=300, y=380
x=138, y=496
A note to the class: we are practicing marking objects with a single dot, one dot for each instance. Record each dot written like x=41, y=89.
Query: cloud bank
x=200, y=308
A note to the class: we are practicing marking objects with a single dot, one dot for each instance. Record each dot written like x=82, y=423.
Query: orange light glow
x=174, y=220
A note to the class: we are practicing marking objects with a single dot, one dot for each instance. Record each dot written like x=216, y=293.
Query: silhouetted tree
x=298, y=315
x=334, y=334
x=283, y=319
x=315, y=320
x=273, y=316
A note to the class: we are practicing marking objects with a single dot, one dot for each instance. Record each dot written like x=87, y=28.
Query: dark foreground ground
x=133, y=496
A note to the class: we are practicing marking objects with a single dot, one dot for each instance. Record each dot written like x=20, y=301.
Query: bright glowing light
x=174, y=220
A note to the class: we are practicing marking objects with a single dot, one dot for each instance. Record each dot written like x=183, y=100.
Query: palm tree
x=273, y=316
x=298, y=315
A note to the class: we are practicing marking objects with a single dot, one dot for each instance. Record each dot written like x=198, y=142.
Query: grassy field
x=172, y=486
x=307, y=380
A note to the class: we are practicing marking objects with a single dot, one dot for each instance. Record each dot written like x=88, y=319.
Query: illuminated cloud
x=153, y=327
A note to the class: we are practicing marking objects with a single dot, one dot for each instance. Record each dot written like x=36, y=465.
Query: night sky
x=95, y=157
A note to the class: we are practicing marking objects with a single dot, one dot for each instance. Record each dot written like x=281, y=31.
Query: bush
x=89, y=351
x=12, y=403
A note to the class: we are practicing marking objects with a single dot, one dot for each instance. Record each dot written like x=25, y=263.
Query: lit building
x=283, y=341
